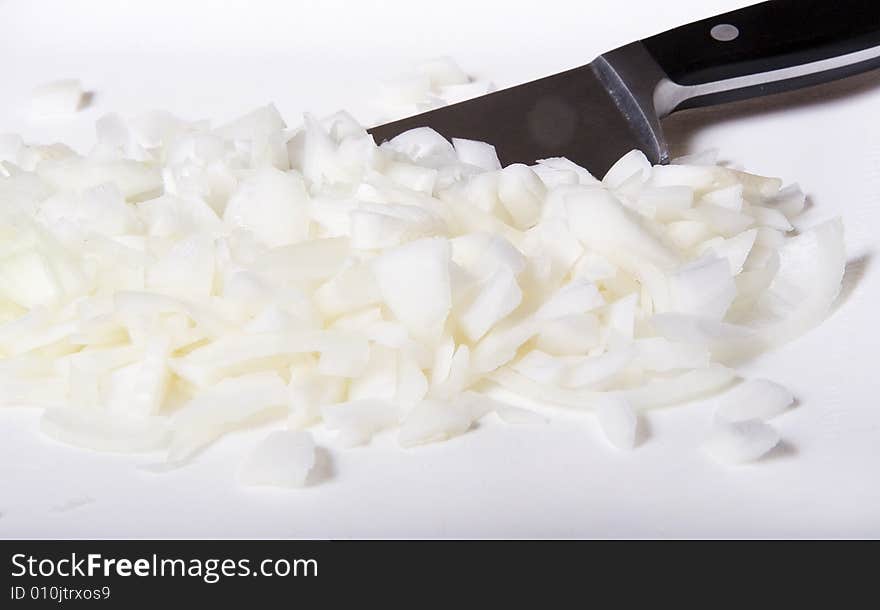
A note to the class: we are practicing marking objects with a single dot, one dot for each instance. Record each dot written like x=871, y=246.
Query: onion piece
x=665, y=203
x=618, y=421
x=692, y=385
x=595, y=370
x=754, y=399
x=479, y=154
x=103, y=431
x=134, y=180
x=811, y=267
x=271, y=204
x=703, y=287
x=308, y=391
x=659, y=393
x=521, y=193
x=414, y=281
x=789, y=200
x=500, y=345
x=498, y=296
x=659, y=354
x=432, y=421
x=576, y=297
x=230, y=404
x=729, y=198
x=600, y=222
x=422, y=144
x=357, y=421
x=569, y=335
x=283, y=459
x=736, y=249
x=633, y=163
x=139, y=388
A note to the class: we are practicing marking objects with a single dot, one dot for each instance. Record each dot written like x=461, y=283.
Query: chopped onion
x=497, y=297
x=432, y=420
x=229, y=404
x=521, y=192
x=577, y=297
x=181, y=282
x=618, y=421
x=479, y=154
x=357, y=421
x=103, y=431
x=754, y=399
x=633, y=163
x=680, y=388
x=414, y=281
x=811, y=267
x=282, y=459
x=271, y=204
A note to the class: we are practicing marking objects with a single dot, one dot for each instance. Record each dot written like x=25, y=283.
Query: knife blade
x=595, y=113
x=573, y=114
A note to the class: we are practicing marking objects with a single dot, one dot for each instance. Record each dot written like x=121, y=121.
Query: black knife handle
x=765, y=48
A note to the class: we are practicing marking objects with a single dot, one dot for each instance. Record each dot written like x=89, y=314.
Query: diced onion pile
x=181, y=281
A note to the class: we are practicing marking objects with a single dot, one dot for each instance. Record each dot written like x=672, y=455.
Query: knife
x=595, y=113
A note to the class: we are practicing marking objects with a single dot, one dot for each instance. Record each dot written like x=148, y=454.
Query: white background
x=216, y=59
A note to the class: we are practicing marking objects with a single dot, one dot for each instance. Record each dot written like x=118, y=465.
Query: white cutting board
x=215, y=60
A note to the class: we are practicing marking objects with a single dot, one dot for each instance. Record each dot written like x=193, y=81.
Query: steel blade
x=585, y=114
